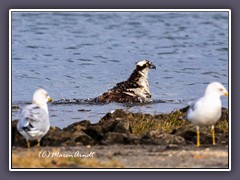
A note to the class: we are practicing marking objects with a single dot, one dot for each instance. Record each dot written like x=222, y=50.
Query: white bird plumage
x=33, y=121
x=208, y=109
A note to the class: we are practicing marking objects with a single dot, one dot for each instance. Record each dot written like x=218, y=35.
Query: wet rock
x=95, y=131
x=223, y=139
x=15, y=108
x=79, y=138
x=118, y=113
x=77, y=134
x=84, y=110
x=159, y=138
x=224, y=115
x=78, y=126
x=133, y=139
x=114, y=138
x=187, y=132
x=109, y=126
x=121, y=127
x=55, y=137
x=17, y=138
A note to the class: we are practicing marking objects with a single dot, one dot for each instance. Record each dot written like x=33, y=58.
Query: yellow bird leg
x=213, y=136
x=28, y=144
x=38, y=144
x=198, y=138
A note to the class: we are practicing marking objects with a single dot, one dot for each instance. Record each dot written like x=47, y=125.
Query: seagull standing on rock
x=208, y=109
x=33, y=121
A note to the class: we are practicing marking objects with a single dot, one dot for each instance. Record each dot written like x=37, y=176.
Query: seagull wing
x=33, y=118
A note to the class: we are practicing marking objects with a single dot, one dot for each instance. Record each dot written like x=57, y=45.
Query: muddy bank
x=123, y=156
x=121, y=127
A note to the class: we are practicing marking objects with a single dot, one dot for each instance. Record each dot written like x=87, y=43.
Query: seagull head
x=41, y=97
x=216, y=88
x=145, y=64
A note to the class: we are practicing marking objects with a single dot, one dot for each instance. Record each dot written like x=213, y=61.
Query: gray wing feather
x=192, y=106
x=34, y=116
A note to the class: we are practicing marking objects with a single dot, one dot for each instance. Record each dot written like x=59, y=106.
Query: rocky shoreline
x=126, y=128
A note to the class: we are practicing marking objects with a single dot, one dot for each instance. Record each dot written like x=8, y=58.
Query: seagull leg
x=213, y=135
x=28, y=144
x=198, y=137
x=38, y=144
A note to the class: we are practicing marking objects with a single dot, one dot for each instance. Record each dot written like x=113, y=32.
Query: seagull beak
x=226, y=94
x=50, y=99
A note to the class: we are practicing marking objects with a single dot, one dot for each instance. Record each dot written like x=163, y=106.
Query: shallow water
x=82, y=54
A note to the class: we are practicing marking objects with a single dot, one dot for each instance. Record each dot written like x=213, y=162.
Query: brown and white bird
x=134, y=89
x=208, y=109
x=33, y=121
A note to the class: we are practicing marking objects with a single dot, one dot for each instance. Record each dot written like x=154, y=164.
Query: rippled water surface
x=82, y=54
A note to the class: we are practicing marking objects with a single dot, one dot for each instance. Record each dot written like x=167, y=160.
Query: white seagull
x=208, y=109
x=33, y=121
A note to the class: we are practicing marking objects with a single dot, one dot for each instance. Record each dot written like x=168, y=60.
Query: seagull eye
x=220, y=89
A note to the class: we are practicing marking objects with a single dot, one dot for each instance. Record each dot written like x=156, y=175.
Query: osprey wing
x=125, y=86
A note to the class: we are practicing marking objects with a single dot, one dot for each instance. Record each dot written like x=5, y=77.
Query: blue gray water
x=82, y=54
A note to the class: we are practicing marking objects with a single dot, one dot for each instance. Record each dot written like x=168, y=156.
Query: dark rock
x=17, y=138
x=106, y=117
x=133, y=139
x=218, y=130
x=159, y=138
x=190, y=135
x=108, y=126
x=78, y=138
x=223, y=139
x=224, y=115
x=123, y=127
x=77, y=134
x=84, y=110
x=114, y=138
x=77, y=126
x=95, y=131
x=187, y=132
x=55, y=137
x=118, y=114
x=15, y=108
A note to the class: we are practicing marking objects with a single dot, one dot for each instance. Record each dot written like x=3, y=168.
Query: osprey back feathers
x=135, y=89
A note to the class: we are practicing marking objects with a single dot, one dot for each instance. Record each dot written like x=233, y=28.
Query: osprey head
x=145, y=64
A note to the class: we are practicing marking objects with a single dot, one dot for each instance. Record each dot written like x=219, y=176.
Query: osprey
x=135, y=89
